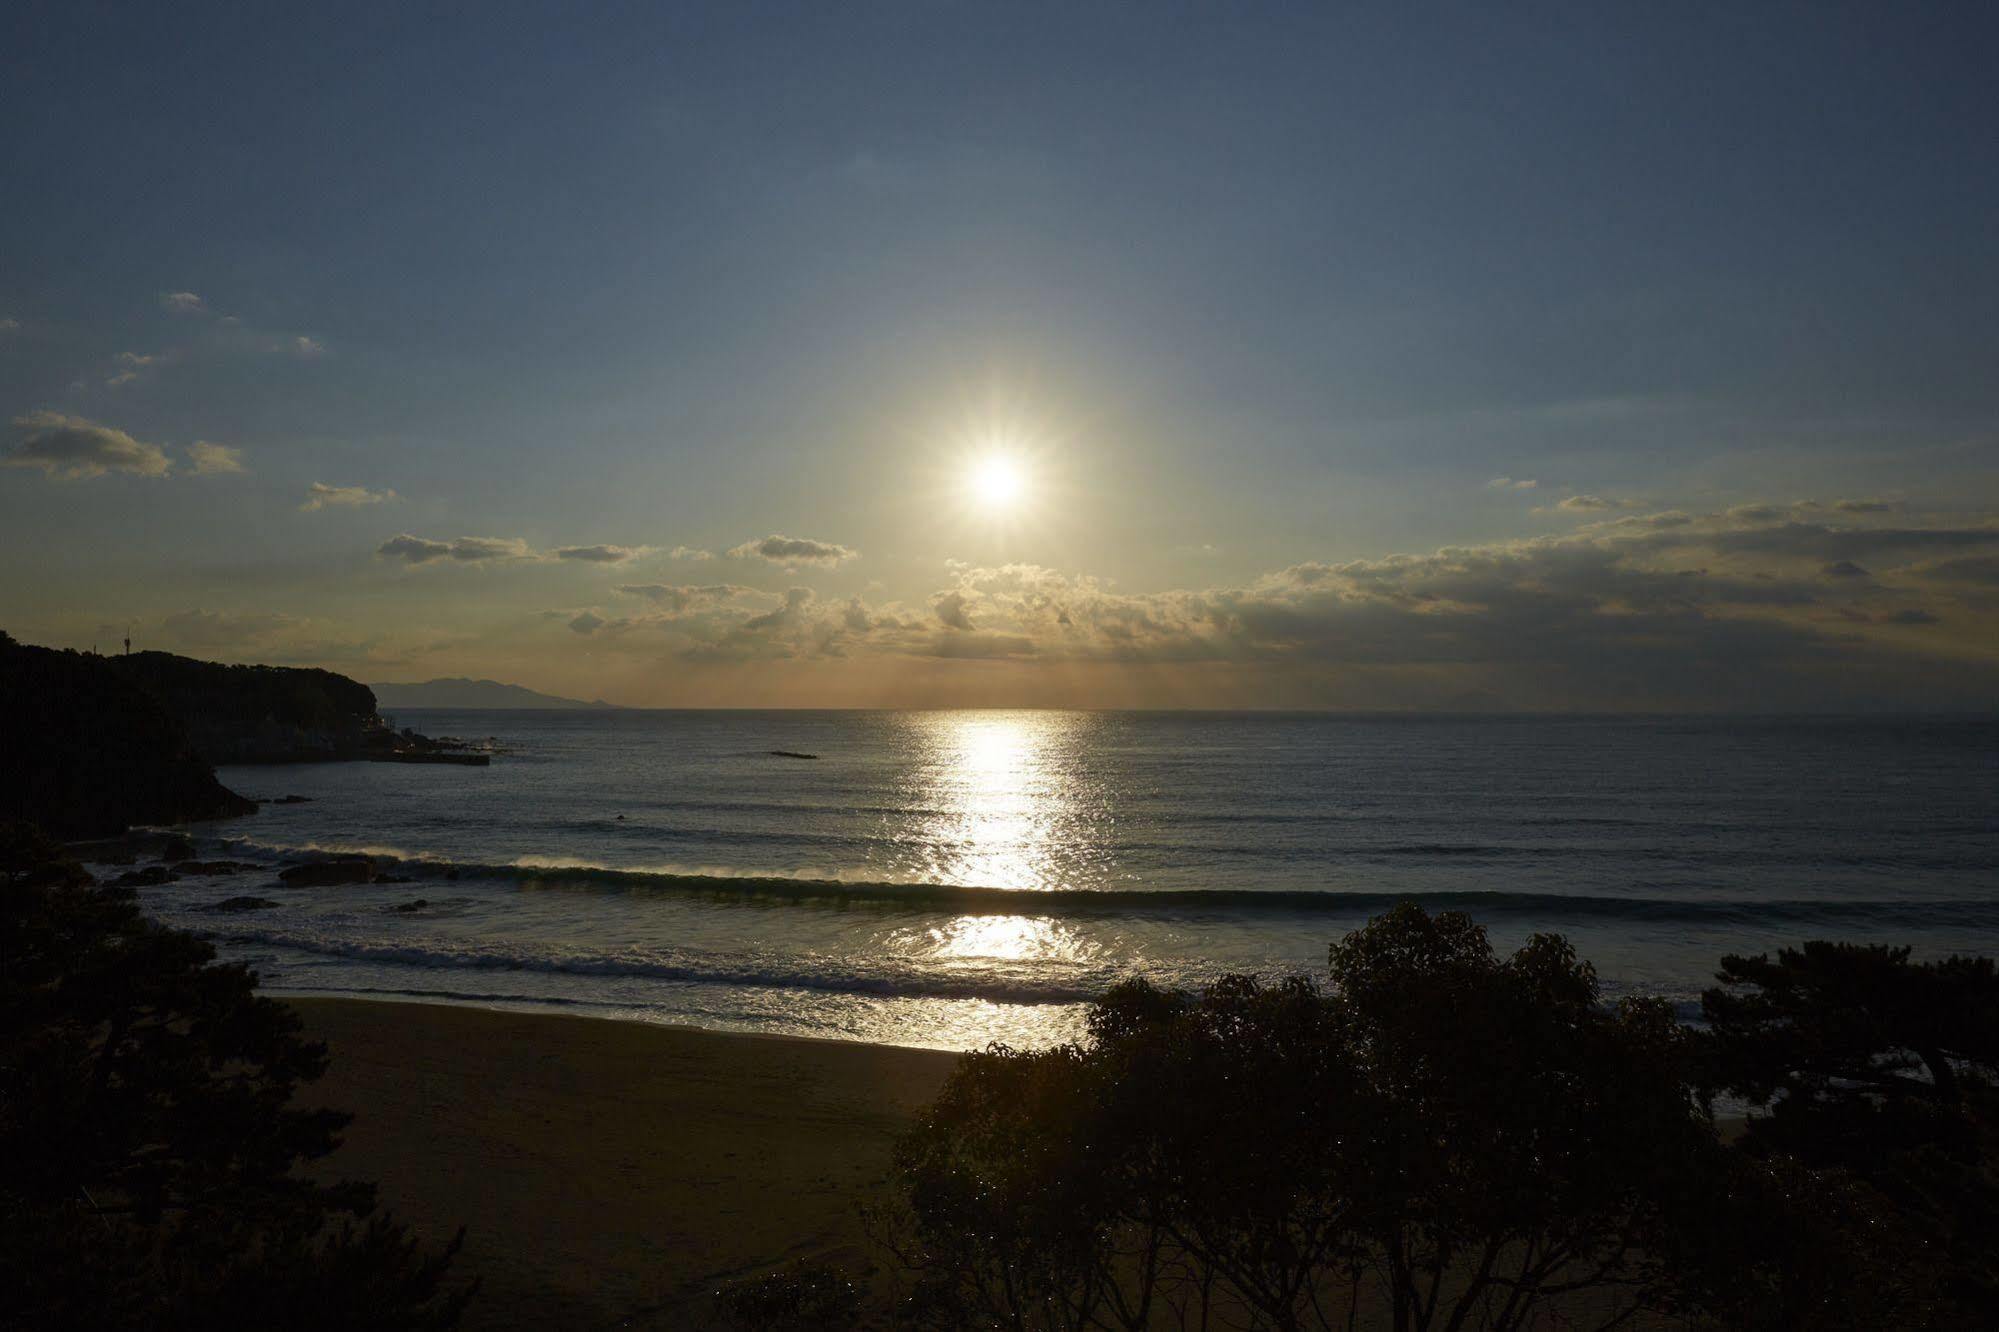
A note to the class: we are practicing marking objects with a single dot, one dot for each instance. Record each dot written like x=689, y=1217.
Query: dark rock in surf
x=292, y=800
x=417, y=905
x=150, y=877
x=202, y=869
x=791, y=753
x=177, y=848
x=329, y=873
x=233, y=904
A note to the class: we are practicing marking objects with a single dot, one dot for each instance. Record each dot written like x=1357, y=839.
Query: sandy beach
x=612, y=1174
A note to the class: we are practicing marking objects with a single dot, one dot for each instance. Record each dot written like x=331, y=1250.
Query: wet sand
x=612, y=1174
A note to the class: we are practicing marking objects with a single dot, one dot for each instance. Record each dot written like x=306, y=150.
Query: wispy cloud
x=1595, y=504
x=1510, y=483
x=677, y=598
x=600, y=554
x=215, y=629
x=72, y=448
x=215, y=459
x=183, y=302
x=465, y=550
x=130, y=367
x=322, y=496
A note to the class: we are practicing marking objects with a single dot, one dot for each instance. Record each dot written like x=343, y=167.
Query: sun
x=997, y=481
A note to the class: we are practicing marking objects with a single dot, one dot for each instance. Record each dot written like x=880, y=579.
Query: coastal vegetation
x=155, y=1158
x=1440, y=1137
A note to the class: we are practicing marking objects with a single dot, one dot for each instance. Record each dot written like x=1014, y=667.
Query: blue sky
x=1244, y=289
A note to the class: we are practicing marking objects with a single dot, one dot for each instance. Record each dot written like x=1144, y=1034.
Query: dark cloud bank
x=1760, y=608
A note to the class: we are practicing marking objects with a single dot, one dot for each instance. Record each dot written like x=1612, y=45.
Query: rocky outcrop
x=150, y=877
x=233, y=904
x=89, y=752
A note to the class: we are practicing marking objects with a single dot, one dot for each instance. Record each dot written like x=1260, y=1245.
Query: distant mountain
x=459, y=692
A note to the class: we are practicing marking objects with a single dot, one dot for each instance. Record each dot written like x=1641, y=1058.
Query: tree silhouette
x=150, y=1138
x=1864, y=1063
x=1441, y=1139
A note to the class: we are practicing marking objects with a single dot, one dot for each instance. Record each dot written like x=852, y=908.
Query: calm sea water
x=949, y=878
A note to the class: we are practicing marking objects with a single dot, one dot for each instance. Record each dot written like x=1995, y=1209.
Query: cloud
x=307, y=348
x=689, y=553
x=10, y=326
x=220, y=629
x=796, y=600
x=951, y=611
x=676, y=599
x=587, y=623
x=71, y=448
x=1973, y=570
x=1672, y=611
x=468, y=550
x=183, y=302
x=794, y=552
x=131, y=366
x=1510, y=483
x=215, y=459
x=981, y=647
x=1592, y=503
x=1703, y=613
x=1669, y=518
x=1862, y=506
x=600, y=554
x=322, y=496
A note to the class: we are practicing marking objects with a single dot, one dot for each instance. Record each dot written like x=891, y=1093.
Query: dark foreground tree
x=1880, y=1071
x=1443, y=1139
x=148, y=1144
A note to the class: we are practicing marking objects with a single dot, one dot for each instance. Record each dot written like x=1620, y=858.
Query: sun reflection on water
x=1004, y=800
x=1008, y=799
x=1004, y=939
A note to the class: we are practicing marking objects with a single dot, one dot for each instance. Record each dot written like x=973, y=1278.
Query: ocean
x=948, y=879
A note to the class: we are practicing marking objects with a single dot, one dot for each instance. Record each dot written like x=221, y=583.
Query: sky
x=1436, y=357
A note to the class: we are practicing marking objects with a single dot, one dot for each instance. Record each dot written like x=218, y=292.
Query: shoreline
x=611, y=1172
x=580, y=1009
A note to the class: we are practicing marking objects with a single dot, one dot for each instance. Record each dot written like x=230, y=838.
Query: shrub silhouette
x=150, y=1141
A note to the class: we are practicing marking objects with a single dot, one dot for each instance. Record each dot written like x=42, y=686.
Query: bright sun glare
x=997, y=481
